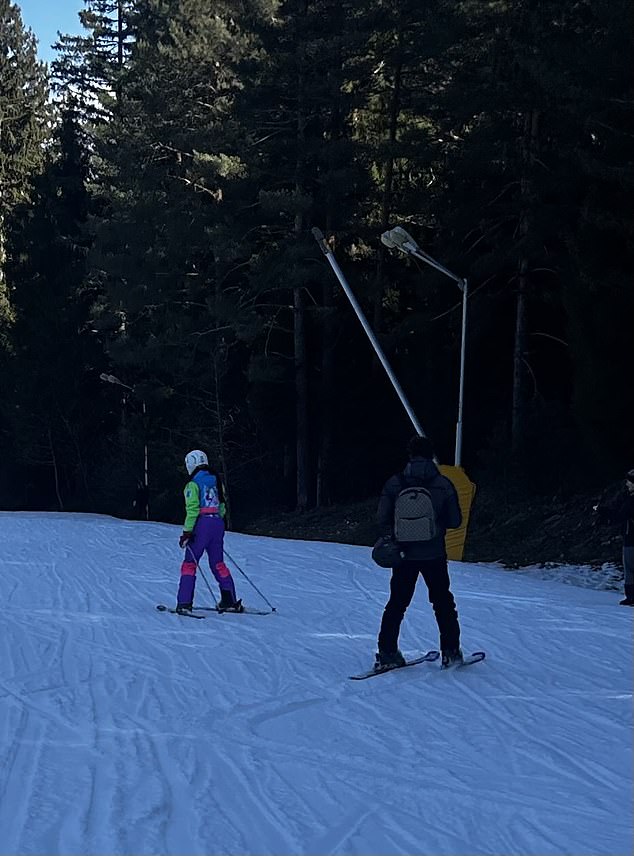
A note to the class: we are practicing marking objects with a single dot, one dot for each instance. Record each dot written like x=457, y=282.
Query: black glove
x=185, y=538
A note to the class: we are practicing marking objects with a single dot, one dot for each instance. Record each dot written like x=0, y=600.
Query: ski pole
x=251, y=583
x=213, y=597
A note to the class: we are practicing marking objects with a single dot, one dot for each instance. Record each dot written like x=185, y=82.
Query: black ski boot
x=628, y=600
x=228, y=603
x=388, y=658
x=184, y=607
x=451, y=657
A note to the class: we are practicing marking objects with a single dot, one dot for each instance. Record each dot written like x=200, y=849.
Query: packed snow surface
x=124, y=730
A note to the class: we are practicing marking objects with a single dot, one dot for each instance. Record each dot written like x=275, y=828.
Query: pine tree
x=23, y=114
x=166, y=247
x=597, y=296
x=503, y=189
x=89, y=67
x=302, y=158
x=403, y=68
x=56, y=353
x=522, y=124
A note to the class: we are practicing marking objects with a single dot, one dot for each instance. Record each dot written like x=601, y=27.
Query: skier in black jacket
x=622, y=511
x=428, y=558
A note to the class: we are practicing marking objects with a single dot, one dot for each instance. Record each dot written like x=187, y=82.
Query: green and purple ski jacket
x=203, y=495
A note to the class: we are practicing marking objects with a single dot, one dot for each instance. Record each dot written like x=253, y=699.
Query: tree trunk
x=323, y=491
x=55, y=470
x=519, y=369
x=4, y=297
x=388, y=180
x=528, y=151
x=219, y=352
x=299, y=312
x=221, y=438
x=301, y=398
x=120, y=52
x=120, y=35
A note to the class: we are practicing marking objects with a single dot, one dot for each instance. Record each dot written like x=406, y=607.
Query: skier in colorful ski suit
x=204, y=530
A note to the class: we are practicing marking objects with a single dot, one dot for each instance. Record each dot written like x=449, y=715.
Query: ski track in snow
x=124, y=730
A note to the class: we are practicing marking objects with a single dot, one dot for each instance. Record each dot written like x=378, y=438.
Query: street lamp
x=398, y=239
x=108, y=378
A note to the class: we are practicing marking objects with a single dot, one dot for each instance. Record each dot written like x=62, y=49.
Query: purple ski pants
x=208, y=536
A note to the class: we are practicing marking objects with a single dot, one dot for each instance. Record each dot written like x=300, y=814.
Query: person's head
x=420, y=447
x=629, y=481
x=195, y=460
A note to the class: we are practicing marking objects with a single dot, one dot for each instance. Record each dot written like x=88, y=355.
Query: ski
x=429, y=657
x=468, y=660
x=246, y=611
x=162, y=608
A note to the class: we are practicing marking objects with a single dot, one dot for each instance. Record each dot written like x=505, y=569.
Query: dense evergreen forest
x=158, y=186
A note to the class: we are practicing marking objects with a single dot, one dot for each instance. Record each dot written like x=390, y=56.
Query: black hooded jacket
x=422, y=472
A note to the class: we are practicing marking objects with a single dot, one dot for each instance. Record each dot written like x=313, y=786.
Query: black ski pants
x=402, y=586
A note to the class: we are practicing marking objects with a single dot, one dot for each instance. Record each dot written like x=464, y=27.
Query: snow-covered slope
x=124, y=730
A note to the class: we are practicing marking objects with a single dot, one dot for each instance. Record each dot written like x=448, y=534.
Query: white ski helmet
x=195, y=459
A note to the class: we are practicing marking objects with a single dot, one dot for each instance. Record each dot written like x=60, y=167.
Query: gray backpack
x=414, y=515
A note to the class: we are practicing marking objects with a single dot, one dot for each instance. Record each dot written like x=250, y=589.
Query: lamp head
x=403, y=240
x=386, y=238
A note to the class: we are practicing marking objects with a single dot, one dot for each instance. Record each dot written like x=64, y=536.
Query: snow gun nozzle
x=318, y=235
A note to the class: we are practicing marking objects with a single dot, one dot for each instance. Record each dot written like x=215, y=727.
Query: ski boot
x=228, y=603
x=628, y=600
x=451, y=657
x=385, y=659
x=184, y=608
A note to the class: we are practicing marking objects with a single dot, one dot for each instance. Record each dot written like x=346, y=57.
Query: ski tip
x=161, y=607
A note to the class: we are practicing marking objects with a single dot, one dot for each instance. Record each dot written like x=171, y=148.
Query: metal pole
x=411, y=248
x=251, y=583
x=463, y=342
x=462, y=285
x=433, y=263
x=145, y=474
x=112, y=379
x=319, y=237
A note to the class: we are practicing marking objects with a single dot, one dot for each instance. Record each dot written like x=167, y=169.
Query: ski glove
x=185, y=538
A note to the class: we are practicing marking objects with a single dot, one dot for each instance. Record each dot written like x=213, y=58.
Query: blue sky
x=46, y=17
